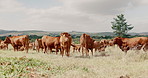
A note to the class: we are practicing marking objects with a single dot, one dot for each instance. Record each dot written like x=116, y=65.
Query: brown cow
x=17, y=41
x=111, y=42
x=49, y=42
x=99, y=46
x=65, y=42
x=3, y=45
x=86, y=43
x=104, y=42
x=38, y=44
x=126, y=44
x=76, y=47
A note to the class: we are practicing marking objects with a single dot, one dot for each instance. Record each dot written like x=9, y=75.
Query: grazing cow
x=86, y=43
x=126, y=44
x=111, y=42
x=38, y=44
x=96, y=45
x=99, y=46
x=3, y=45
x=65, y=42
x=104, y=42
x=76, y=47
x=17, y=41
x=49, y=42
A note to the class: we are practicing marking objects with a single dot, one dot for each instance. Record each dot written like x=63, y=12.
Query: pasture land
x=112, y=63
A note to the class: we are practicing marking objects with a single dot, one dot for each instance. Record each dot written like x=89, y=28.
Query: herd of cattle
x=63, y=44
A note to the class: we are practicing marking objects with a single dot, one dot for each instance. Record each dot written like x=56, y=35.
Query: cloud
x=10, y=6
x=104, y=7
x=79, y=15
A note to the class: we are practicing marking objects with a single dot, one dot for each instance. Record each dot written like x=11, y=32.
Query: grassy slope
x=110, y=64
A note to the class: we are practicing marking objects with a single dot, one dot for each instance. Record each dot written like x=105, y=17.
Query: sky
x=72, y=15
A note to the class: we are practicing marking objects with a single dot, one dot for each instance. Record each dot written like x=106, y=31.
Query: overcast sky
x=71, y=15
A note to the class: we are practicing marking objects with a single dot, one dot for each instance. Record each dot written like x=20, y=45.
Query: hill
x=40, y=33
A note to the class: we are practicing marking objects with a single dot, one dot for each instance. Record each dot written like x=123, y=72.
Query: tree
x=120, y=26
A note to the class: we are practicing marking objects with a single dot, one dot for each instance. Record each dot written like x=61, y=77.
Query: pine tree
x=120, y=26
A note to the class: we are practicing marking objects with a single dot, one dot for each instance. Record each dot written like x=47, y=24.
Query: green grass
x=112, y=63
x=21, y=67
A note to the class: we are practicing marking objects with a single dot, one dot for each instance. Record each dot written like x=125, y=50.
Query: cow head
x=65, y=34
x=124, y=47
x=7, y=40
x=118, y=41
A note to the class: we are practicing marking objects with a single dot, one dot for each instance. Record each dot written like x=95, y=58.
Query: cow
x=111, y=42
x=38, y=45
x=104, y=42
x=17, y=41
x=86, y=43
x=126, y=44
x=99, y=46
x=65, y=42
x=3, y=45
x=49, y=42
x=76, y=47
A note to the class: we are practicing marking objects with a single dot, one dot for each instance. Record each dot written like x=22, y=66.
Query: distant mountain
x=40, y=33
x=28, y=32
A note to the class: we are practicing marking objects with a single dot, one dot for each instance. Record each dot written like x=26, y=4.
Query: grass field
x=112, y=63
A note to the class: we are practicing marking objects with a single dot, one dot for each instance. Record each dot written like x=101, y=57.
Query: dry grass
x=112, y=63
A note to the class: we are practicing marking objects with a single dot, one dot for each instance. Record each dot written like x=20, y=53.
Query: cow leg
x=37, y=49
x=68, y=51
x=62, y=51
x=42, y=49
x=7, y=46
x=17, y=48
x=79, y=49
x=92, y=51
x=45, y=49
x=87, y=52
x=26, y=46
x=82, y=51
x=56, y=47
x=65, y=51
x=57, y=51
x=96, y=49
x=50, y=49
x=13, y=47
